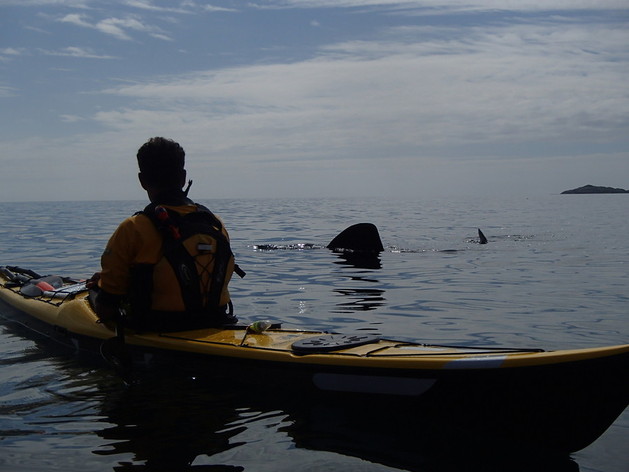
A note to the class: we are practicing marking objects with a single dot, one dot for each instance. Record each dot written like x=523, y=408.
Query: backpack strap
x=216, y=223
x=210, y=224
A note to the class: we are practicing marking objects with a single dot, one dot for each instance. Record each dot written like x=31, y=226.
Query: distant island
x=594, y=189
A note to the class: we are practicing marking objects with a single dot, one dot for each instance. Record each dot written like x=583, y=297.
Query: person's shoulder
x=138, y=222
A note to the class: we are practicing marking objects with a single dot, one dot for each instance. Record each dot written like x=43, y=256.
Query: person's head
x=161, y=162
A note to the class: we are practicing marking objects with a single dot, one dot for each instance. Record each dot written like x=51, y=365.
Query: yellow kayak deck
x=73, y=314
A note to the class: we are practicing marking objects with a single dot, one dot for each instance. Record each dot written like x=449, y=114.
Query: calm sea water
x=555, y=274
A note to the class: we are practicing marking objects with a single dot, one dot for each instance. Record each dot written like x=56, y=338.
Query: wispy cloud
x=76, y=19
x=75, y=51
x=10, y=53
x=83, y=4
x=186, y=6
x=71, y=118
x=409, y=98
x=6, y=91
x=449, y=6
x=473, y=87
x=116, y=27
x=148, y=5
x=215, y=9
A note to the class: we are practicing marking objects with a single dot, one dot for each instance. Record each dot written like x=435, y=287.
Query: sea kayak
x=559, y=400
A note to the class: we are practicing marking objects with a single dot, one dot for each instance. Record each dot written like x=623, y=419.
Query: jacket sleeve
x=117, y=259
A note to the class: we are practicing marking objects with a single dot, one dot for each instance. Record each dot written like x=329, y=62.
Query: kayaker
x=162, y=283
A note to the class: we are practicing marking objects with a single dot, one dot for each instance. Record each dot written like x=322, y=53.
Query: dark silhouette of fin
x=482, y=238
x=361, y=237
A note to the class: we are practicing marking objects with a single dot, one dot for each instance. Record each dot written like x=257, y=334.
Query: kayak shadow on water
x=167, y=422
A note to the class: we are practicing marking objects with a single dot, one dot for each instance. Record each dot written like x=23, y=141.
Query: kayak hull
x=560, y=401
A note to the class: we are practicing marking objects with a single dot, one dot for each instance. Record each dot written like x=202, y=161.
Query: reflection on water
x=360, y=299
x=177, y=423
x=363, y=293
x=166, y=423
x=359, y=260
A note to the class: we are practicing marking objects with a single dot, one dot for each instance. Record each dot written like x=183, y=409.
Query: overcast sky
x=305, y=98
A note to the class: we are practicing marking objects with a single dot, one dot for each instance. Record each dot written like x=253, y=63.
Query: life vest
x=189, y=284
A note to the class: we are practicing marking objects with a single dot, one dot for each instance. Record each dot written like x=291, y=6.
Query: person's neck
x=168, y=197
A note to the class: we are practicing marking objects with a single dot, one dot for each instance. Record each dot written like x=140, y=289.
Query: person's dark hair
x=161, y=161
